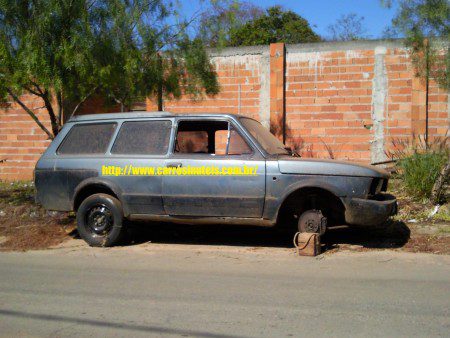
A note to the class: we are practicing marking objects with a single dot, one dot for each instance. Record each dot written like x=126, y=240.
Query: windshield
x=268, y=141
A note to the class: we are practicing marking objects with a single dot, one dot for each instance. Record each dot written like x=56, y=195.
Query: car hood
x=311, y=166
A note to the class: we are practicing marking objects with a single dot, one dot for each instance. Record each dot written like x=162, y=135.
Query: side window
x=143, y=138
x=89, y=138
x=236, y=144
x=209, y=137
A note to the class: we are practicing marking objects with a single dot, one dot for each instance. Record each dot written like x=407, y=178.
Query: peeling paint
x=312, y=58
x=352, y=54
x=248, y=60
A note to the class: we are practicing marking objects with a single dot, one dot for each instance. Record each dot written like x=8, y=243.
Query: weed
x=419, y=164
x=419, y=171
x=443, y=214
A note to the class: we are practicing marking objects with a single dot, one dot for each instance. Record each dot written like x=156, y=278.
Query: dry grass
x=25, y=225
x=429, y=232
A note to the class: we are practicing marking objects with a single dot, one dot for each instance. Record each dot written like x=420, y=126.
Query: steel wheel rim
x=99, y=220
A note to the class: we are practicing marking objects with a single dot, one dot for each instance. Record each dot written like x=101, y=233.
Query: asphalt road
x=210, y=291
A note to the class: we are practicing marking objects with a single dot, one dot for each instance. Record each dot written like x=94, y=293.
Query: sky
x=321, y=13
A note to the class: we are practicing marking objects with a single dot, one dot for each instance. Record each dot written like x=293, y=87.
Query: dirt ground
x=26, y=226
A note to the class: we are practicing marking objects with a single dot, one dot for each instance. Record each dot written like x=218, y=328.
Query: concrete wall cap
x=344, y=45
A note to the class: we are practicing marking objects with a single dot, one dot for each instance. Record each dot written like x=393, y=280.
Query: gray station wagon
x=154, y=166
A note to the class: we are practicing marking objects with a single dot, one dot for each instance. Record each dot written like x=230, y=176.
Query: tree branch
x=60, y=106
x=51, y=113
x=91, y=4
x=183, y=26
x=82, y=101
x=119, y=102
x=38, y=88
x=30, y=112
x=32, y=91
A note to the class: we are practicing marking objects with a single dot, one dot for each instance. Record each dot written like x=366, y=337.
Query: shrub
x=419, y=164
x=420, y=170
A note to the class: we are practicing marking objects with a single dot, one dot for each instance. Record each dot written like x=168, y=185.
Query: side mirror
x=293, y=153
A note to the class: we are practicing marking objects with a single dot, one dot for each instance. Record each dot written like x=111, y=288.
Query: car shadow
x=393, y=234
x=213, y=234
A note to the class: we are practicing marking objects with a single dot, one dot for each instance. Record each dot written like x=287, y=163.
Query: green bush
x=420, y=170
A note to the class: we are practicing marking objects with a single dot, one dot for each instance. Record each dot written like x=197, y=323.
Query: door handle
x=174, y=165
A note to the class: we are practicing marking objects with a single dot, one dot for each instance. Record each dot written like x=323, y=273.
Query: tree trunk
x=440, y=181
x=31, y=113
x=53, y=119
x=160, y=84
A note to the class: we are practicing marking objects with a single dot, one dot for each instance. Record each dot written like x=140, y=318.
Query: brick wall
x=243, y=75
x=349, y=102
x=21, y=140
x=348, y=99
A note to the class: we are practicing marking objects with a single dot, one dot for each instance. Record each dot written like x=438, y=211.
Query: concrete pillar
x=264, y=92
x=379, y=105
x=277, y=90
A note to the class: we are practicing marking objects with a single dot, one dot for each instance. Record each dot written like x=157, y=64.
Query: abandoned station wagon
x=111, y=167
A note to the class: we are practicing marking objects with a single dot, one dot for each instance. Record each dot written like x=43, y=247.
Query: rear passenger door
x=212, y=143
x=141, y=145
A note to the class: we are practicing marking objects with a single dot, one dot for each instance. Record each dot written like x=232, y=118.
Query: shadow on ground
x=393, y=235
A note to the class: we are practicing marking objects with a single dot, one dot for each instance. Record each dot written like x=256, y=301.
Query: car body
x=281, y=190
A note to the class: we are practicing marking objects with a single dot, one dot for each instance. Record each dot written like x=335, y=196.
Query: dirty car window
x=267, y=140
x=143, y=138
x=209, y=137
x=90, y=138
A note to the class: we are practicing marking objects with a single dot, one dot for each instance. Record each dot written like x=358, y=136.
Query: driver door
x=216, y=144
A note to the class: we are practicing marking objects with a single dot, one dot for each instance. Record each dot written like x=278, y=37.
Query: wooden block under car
x=307, y=244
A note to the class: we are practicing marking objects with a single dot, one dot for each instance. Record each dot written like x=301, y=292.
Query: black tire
x=100, y=220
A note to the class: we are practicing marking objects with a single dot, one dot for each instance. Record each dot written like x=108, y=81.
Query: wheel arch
x=92, y=186
x=327, y=193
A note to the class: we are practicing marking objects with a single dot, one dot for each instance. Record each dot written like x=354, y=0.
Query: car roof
x=143, y=114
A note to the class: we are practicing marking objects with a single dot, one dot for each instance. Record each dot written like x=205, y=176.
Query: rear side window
x=92, y=138
x=143, y=138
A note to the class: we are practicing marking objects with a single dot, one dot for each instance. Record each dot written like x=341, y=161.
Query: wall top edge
x=344, y=45
x=326, y=46
x=236, y=51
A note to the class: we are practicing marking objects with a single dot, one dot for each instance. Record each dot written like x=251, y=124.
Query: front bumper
x=370, y=212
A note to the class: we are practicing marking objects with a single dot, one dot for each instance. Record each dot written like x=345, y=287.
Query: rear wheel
x=100, y=220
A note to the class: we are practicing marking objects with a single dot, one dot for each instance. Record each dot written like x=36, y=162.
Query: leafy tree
x=65, y=51
x=221, y=17
x=426, y=26
x=348, y=27
x=276, y=25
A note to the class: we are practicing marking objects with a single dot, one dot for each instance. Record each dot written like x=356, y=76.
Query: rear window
x=143, y=138
x=92, y=138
